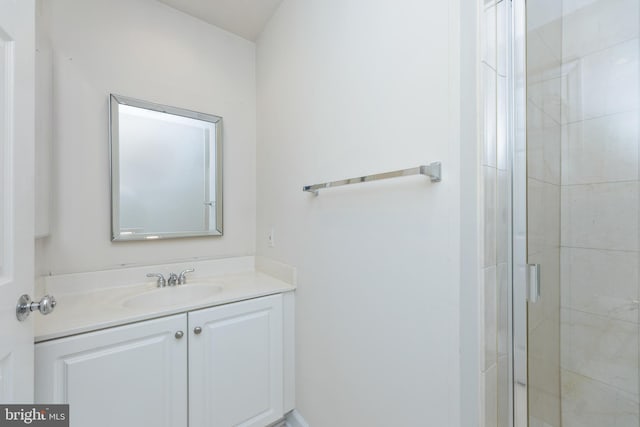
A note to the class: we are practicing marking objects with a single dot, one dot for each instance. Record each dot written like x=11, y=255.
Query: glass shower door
x=576, y=204
x=543, y=181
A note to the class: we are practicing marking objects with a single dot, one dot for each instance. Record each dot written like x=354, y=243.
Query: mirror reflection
x=165, y=171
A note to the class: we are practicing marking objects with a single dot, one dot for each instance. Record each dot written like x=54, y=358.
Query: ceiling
x=245, y=18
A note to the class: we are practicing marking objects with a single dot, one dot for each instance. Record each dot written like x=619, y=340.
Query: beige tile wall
x=544, y=84
x=600, y=214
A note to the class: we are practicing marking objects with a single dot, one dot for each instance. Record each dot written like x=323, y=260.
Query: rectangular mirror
x=166, y=171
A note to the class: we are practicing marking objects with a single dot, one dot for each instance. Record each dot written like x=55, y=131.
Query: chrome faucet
x=182, y=279
x=161, y=280
x=173, y=278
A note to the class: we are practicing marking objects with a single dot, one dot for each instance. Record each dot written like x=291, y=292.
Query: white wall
x=348, y=88
x=345, y=88
x=146, y=50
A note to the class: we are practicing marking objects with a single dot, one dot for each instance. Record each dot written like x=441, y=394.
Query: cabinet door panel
x=235, y=364
x=129, y=376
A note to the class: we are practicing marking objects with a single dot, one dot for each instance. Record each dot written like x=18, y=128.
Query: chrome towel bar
x=432, y=170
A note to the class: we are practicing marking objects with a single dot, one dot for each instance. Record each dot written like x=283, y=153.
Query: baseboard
x=294, y=419
x=280, y=423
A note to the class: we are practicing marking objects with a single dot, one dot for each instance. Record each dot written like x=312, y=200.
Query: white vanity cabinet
x=216, y=367
x=132, y=375
x=236, y=364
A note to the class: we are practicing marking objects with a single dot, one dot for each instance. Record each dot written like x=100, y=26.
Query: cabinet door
x=235, y=364
x=129, y=376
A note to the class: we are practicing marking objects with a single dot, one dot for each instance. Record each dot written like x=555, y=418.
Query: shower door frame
x=517, y=151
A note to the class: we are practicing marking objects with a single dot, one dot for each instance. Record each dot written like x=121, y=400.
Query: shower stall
x=562, y=203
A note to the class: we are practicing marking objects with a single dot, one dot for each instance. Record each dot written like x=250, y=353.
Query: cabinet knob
x=197, y=330
x=179, y=334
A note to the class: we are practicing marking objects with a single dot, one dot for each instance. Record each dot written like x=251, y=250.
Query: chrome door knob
x=179, y=334
x=46, y=304
x=25, y=306
x=197, y=330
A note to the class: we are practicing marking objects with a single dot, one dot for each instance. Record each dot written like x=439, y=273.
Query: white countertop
x=79, y=312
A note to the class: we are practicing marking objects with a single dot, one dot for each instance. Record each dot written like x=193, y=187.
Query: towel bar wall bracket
x=432, y=170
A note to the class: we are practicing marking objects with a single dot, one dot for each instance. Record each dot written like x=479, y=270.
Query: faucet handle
x=182, y=279
x=161, y=280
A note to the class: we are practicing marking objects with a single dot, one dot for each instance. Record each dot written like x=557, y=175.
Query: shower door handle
x=533, y=283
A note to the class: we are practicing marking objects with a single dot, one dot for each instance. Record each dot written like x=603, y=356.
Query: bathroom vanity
x=215, y=352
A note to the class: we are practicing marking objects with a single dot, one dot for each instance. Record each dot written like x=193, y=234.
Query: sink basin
x=173, y=295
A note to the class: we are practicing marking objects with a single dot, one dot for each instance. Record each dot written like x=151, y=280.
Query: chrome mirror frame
x=115, y=101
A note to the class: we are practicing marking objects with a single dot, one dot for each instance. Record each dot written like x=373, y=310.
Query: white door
x=236, y=364
x=130, y=376
x=17, y=53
